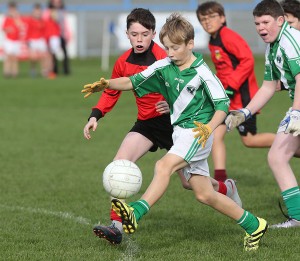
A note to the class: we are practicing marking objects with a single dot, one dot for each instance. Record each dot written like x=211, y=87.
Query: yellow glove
x=98, y=86
x=203, y=132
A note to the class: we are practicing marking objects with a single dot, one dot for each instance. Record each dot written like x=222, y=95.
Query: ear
x=280, y=20
x=153, y=35
x=191, y=44
x=223, y=19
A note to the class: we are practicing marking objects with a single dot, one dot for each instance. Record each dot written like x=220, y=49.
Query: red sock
x=220, y=174
x=222, y=188
x=114, y=216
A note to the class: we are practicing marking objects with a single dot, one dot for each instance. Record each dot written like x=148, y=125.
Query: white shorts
x=38, y=45
x=187, y=147
x=12, y=47
x=54, y=44
x=285, y=121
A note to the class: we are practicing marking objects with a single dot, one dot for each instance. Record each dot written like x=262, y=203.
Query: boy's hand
x=97, y=86
x=235, y=118
x=294, y=123
x=162, y=107
x=204, y=132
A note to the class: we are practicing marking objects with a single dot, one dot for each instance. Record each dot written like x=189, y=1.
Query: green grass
x=51, y=192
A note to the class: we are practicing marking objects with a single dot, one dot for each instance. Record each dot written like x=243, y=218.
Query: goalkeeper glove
x=230, y=92
x=98, y=86
x=235, y=118
x=203, y=134
x=294, y=123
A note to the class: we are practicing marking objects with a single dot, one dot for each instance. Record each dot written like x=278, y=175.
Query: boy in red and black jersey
x=234, y=63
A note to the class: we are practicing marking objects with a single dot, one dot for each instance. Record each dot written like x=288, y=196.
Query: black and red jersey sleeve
x=127, y=65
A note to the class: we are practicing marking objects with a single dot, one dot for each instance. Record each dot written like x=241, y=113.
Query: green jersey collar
x=285, y=25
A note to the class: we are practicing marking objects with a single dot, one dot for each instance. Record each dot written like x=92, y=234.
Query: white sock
x=118, y=225
x=229, y=189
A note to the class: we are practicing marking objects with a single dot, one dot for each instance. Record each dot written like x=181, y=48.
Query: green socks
x=248, y=222
x=141, y=207
x=291, y=198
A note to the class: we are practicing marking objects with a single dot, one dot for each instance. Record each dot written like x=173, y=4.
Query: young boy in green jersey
x=282, y=64
x=198, y=104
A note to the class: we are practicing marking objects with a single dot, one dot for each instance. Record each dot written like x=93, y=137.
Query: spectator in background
x=12, y=27
x=59, y=34
x=36, y=37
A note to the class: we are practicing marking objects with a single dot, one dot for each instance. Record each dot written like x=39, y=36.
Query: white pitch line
x=60, y=214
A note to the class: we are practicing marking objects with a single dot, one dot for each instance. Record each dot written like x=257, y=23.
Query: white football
x=122, y=179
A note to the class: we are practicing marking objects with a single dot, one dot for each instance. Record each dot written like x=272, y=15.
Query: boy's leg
x=282, y=150
x=255, y=227
x=112, y=233
x=133, y=212
x=219, y=153
x=134, y=146
x=250, y=137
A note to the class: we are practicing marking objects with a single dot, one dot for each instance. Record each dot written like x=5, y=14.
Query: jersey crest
x=191, y=89
x=218, y=55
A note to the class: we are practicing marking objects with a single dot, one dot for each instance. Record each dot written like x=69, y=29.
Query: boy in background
x=13, y=26
x=234, y=63
x=36, y=37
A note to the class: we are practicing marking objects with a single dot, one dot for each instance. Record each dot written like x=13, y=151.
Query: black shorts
x=248, y=126
x=159, y=130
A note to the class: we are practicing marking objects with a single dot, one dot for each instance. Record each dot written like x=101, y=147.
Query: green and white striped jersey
x=283, y=58
x=193, y=94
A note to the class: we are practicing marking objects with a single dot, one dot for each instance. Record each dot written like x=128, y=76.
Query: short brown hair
x=268, y=7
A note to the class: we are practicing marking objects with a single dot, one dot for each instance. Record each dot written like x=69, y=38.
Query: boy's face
x=37, y=13
x=268, y=27
x=211, y=23
x=292, y=20
x=140, y=37
x=178, y=53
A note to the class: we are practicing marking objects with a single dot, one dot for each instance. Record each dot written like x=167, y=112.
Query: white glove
x=294, y=123
x=235, y=118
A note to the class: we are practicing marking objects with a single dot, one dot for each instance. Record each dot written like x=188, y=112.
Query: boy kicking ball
x=198, y=104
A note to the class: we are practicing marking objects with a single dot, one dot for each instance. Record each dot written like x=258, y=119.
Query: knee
x=273, y=159
x=205, y=198
x=248, y=142
x=162, y=168
x=186, y=185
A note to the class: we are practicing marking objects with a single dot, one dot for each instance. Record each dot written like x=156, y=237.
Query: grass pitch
x=51, y=193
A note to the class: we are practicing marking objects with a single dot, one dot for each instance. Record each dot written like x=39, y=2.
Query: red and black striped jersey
x=234, y=63
x=130, y=63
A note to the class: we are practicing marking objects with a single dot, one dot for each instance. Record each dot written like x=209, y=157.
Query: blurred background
x=97, y=27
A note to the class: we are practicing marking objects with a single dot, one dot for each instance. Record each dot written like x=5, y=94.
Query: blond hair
x=177, y=29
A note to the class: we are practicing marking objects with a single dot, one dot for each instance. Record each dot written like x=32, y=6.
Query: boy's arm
x=264, y=94
x=120, y=84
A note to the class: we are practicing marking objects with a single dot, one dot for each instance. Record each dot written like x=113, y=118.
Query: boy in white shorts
x=13, y=26
x=282, y=59
x=196, y=97
x=38, y=50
